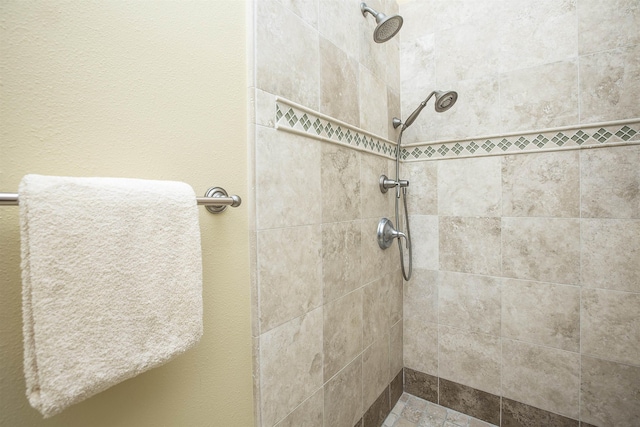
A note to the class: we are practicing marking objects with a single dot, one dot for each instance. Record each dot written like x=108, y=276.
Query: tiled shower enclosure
x=524, y=204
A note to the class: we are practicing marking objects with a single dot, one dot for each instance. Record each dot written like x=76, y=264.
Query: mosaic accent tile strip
x=315, y=125
x=567, y=138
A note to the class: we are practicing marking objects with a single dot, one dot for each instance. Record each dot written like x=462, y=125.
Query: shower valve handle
x=386, y=183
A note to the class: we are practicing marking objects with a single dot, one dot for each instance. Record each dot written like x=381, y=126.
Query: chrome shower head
x=388, y=26
x=444, y=101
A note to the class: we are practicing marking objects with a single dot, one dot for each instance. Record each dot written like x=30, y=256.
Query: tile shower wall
x=327, y=309
x=524, y=303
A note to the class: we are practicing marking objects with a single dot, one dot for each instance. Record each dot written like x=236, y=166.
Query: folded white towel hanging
x=112, y=282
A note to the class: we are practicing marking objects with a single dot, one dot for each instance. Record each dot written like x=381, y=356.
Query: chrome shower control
x=386, y=233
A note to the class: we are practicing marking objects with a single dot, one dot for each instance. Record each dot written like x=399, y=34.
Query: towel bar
x=215, y=199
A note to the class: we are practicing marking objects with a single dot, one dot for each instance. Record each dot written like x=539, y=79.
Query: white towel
x=112, y=282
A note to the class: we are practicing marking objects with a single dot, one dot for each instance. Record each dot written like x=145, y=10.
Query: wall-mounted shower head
x=388, y=26
x=444, y=101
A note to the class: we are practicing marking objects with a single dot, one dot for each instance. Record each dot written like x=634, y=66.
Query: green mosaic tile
x=443, y=150
x=279, y=113
x=306, y=123
x=457, y=148
x=339, y=133
x=626, y=133
x=349, y=136
x=416, y=152
x=540, y=141
x=429, y=151
x=291, y=117
x=580, y=137
x=602, y=135
x=522, y=142
x=472, y=147
x=404, y=154
x=358, y=140
x=329, y=130
x=504, y=144
x=317, y=125
x=378, y=146
x=488, y=146
x=560, y=139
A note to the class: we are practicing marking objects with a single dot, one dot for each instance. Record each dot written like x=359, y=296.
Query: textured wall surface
x=522, y=257
x=328, y=301
x=152, y=90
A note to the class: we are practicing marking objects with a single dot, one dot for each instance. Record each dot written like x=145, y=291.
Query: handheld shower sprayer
x=444, y=101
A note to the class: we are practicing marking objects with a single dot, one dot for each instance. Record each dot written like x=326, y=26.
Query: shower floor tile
x=411, y=411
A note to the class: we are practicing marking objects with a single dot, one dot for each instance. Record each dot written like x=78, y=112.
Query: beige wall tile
x=290, y=273
x=375, y=310
x=395, y=350
x=339, y=27
x=477, y=111
x=543, y=377
x=540, y=97
x=532, y=35
x=611, y=254
x=422, y=194
x=417, y=75
x=291, y=365
x=421, y=296
x=265, y=107
x=470, y=187
x=338, y=99
x=541, y=313
x=420, y=349
x=609, y=393
x=340, y=177
x=470, y=359
x=342, y=332
x=375, y=203
x=470, y=245
x=609, y=85
x=394, y=283
x=610, y=182
x=469, y=302
x=610, y=325
x=394, y=110
x=542, y=249
x=542, y=184
x=341, y=243
x=375, y=370
x=281, y=178
x=308, y=414
x=607, y=25
x=375, y=261
x=424, y=241
x=282, y=39
x=373, y=103
x=470, y=51
x=343, y=396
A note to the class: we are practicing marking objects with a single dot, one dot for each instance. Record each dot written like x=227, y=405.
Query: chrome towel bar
x=215, y=199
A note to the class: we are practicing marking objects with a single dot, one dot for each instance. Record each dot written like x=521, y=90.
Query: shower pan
x=386, y=231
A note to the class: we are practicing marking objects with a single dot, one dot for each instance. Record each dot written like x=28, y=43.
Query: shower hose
x=405, y=274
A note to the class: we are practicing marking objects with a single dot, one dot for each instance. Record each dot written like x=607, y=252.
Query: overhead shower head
x=388, y=26
x=444, y=101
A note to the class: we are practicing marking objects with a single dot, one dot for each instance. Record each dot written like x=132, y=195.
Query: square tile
x=541, y=249
x=542, y=377
x=470, y=245
x=541, y=313
x=342, y=332
x=610, y=325
x=611, y=254
x=541, y=184
x=340, y=183
x=477, y=403
x=610, y=182
x=341, y=243
x=343, y=396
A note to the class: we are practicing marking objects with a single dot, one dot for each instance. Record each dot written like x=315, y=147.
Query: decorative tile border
x=295, y=118
x=568, y=138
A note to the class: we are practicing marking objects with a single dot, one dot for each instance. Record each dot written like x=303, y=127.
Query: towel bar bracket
x=216, y=192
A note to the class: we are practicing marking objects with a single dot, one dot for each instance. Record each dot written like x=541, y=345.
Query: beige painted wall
x=153, y=90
